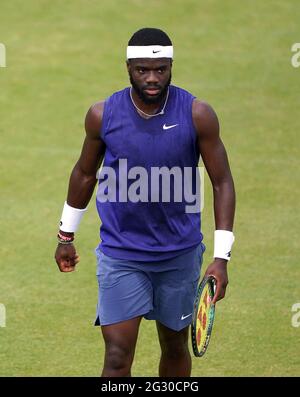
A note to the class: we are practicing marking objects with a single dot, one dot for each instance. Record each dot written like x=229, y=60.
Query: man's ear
x=128, y=65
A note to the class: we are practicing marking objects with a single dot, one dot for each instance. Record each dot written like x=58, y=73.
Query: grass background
x=64, y=55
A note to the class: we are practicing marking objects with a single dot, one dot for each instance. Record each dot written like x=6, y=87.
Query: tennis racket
x=203, y=315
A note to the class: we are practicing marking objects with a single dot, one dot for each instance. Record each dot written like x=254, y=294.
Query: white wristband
x=70, y=218
x=223, y=243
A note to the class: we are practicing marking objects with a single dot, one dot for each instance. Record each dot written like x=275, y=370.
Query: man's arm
x=216, y=163
x=83, y=180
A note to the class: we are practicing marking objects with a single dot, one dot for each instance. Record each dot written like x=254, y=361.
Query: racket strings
x=202, y=323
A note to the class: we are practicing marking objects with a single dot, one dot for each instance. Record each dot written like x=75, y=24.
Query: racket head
x=203, y=316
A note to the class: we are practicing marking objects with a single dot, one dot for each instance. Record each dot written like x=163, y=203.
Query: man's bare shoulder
x=204, y=117
x=93, y=120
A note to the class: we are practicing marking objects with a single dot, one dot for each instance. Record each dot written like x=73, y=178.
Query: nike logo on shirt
x=167, y=127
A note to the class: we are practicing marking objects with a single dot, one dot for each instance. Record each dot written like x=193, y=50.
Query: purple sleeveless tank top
x=149, y=165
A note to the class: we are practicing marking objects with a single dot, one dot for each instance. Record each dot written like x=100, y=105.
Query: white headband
x=149, y=51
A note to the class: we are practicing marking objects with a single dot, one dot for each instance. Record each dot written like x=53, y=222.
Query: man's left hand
x=218, y=269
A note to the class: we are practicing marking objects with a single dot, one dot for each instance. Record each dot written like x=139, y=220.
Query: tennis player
x=149, y=137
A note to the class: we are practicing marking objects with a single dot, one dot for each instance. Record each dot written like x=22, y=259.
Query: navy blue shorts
x=162, y=290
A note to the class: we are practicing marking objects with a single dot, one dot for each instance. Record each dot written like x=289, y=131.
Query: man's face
x=150, y=78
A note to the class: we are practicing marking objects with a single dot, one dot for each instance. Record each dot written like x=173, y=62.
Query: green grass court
x=62, y=57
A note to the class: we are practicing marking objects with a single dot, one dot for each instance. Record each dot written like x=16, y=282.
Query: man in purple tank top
x=148, y=139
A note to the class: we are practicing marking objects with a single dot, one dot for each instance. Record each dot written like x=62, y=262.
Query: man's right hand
x=66, y=257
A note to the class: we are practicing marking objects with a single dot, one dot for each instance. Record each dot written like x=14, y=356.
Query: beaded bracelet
x=64, y=239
